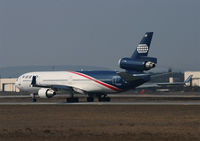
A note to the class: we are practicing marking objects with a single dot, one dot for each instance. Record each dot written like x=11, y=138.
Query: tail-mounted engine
x=142, y=64
x=139, y=61
x=46, y=93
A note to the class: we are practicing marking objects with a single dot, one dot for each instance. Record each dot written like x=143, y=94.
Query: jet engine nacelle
x=46, y=93
x=137, y=65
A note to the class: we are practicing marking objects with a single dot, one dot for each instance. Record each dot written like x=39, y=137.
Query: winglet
x=189, y=79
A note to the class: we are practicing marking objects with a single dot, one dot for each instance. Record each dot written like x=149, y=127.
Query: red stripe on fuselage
x=104, y=84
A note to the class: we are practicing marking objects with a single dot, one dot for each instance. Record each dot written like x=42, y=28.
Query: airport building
x=8, y=85
x=195, y=78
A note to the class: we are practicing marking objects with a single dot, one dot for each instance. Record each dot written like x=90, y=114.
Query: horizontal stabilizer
x=132, y=77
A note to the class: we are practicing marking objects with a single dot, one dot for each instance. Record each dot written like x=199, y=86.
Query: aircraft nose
x=17, y=84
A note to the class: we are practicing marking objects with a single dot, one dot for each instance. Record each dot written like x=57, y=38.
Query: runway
x=126, y=99
x=196, y=95
x=101, y=103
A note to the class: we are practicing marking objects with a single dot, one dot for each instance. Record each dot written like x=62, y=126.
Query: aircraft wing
x=151, y=85
x=132, y=77
x=171, y=84
x=148, y=85
x=189, y=79
x=54, y=87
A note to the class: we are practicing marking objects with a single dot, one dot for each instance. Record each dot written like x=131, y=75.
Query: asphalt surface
x=146, y=117
x=119, y=99
x=99, y=122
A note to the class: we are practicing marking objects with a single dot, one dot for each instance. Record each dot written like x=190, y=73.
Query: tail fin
x=188, y=79
x=139, y=61
x=143, y=47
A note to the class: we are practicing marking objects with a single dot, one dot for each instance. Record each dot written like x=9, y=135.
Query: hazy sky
x=98, y=32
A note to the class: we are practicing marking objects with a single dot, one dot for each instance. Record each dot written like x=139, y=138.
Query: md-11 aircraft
x=92, y=83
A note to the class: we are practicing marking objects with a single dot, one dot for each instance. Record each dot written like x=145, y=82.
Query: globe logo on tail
x=142, y=48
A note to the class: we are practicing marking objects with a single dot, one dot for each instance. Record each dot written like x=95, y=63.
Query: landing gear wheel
x=90, y=99
x=107, y=99
x=72, y=99
x=104, y=99
x=33, y=97
x=34, y=100
x=100, y=99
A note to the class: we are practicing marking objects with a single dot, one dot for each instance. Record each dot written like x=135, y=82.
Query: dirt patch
x=103, y=122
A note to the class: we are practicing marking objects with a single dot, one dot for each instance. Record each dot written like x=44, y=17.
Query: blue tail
x=144, y=46
x=140, y=61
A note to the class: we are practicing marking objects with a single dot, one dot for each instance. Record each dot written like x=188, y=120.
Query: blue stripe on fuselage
x=109, y=77
x=112, y=78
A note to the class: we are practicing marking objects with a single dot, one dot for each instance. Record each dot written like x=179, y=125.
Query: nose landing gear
x=33, y=95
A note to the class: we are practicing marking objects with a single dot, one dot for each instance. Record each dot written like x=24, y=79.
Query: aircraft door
x=38, y=80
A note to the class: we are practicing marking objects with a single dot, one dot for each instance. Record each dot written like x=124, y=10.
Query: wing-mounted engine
x=142, y=64
x=46, y=93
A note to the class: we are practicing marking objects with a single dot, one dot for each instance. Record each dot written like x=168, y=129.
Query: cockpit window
x=26, y=76
x=30, y=76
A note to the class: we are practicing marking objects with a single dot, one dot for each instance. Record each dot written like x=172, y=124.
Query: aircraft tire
x=90, y=99
x=34, y=100
x=107, y=99
x=100, y=99
x=104, y=99
x=72, y=100
x=76, y=99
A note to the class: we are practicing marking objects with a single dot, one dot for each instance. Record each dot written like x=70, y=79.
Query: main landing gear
x=90, y=98
x=101, y=98
x=33, y=95
x=104, y=98
x=72, y=99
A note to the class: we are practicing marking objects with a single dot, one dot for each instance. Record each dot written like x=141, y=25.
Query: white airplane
x=92, y=83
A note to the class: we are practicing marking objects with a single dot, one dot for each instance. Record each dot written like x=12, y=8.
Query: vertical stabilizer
x=140, y=61
x=143, y=47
